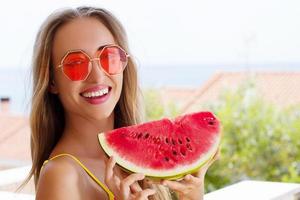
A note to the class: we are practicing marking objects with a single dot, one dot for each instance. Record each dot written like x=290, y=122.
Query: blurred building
x=280, y=88
x=14, y=149
x=14, y=138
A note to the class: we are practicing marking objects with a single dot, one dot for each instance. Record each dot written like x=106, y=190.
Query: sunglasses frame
x=93, y=59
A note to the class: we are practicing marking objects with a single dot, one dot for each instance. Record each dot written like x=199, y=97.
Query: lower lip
x=98, y=100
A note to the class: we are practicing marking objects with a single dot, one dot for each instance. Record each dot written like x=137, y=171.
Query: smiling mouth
x=96, y=94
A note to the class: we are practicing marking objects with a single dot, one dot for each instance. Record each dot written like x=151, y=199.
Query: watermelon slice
x=165, y=149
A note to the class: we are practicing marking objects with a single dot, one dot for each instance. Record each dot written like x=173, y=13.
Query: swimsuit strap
x=110, y=194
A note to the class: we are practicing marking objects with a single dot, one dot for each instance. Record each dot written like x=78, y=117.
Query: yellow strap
x=110, y=194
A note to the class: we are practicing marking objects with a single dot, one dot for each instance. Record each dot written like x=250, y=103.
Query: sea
x=16, y=83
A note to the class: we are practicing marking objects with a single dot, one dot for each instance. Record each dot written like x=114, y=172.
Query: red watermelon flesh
x=165, y=148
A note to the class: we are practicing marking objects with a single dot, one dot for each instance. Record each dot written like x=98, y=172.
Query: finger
x=135, y=187
x=117, y=181
x=109, y=172
x=216, y=156
x=145, y=193
x=128, y=181
x=192, y=180
x=176, y=186
x=120, y=173
x=112, y=181
x=149, y=181
x=202, y=171
x=213, y=159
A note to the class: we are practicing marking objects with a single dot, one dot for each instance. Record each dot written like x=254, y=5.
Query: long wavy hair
x=47, y=119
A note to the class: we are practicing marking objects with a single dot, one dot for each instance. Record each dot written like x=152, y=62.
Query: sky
x=171, y=32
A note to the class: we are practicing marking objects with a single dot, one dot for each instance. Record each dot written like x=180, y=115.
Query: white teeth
x=96, y=94
x=105, y=91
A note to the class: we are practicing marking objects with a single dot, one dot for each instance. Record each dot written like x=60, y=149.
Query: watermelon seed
x=140, y=135
x=146, y=136
x=179, y=141
x=189, y=147
x=167, y=159
x=167, y=140
x=187, y=139
x=211, y=123
x=174, y=153
x=173, y=142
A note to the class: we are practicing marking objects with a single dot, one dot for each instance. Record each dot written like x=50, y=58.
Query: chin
x=102, y=115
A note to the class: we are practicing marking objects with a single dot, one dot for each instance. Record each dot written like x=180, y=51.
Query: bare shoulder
x=60, y=178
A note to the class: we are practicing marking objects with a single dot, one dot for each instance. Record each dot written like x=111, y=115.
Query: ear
x=52, y=87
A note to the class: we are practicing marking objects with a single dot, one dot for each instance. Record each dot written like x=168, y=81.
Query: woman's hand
x=125, y=188
x=191, y=187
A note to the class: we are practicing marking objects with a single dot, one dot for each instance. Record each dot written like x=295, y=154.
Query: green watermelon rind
x=175, y=175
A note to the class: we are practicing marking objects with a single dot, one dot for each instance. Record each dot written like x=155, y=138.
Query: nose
x=97, y=73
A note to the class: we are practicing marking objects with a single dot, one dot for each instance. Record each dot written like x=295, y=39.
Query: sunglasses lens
x=113, y=60
x=76, y=66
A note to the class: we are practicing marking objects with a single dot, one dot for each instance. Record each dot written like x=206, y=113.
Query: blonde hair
x=47, y=113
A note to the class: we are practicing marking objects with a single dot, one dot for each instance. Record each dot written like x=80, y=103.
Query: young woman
x=85, y=82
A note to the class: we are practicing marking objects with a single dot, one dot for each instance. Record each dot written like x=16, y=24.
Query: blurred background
x=239, y=59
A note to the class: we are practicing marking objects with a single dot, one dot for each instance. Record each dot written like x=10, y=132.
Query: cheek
x=68, y=91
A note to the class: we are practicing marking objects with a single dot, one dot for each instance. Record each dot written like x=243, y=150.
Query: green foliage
x=260, y=141
x=155, y=108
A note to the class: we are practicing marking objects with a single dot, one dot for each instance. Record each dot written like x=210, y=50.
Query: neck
x=81, y=135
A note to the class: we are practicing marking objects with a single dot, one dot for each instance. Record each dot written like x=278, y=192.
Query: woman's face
x=81, y=98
